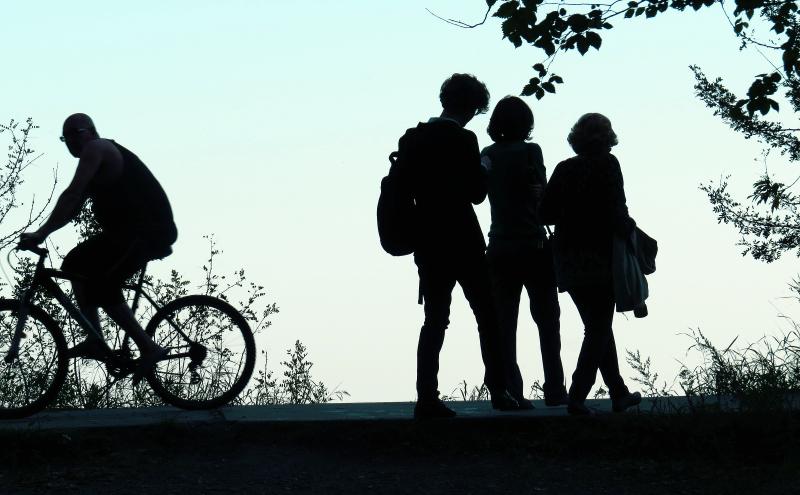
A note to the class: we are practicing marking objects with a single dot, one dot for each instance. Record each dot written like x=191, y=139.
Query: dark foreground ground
x=641, y=454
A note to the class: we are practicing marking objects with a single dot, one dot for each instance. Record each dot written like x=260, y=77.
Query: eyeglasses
x=73, y=131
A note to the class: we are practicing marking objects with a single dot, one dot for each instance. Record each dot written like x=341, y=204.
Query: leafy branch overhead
x=555, y=27
x=770, y=224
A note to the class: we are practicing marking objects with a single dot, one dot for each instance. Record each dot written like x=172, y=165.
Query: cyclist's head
x=464, y=96
x=78, y=130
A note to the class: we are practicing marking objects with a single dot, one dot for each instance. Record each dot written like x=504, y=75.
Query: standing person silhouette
x=136, y=225
x=442, y=162
x=585, y=199
x=519, y=252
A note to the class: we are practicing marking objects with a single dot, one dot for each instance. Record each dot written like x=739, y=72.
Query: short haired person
x=585, y=199
x=519, y=251
x=443, y=166
x=136, y=224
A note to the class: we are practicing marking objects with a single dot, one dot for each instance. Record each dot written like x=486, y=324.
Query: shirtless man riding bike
x=136, y=224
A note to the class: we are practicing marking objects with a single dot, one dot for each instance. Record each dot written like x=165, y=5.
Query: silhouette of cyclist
x=136, y=224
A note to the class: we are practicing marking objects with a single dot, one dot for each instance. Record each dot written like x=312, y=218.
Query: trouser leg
x=609, y=370
x=437, y=287
x=506, y=289
x=546, y=313
x=473, y=277
x=596, y=307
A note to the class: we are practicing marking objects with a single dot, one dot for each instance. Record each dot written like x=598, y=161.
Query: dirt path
x=563, y=456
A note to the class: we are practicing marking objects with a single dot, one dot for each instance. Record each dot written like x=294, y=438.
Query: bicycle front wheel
x=31, y=379
x=212, y=352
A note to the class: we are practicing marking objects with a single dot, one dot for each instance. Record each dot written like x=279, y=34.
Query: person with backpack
x=585, y=199
x=438, y=163
x=519, y=251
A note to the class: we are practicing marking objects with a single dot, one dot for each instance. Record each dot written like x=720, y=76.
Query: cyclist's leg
x=89, y=310
x=122, y=315
x=80, y=261
x=130, y=256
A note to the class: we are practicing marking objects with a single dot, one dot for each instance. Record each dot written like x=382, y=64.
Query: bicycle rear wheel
x=212, y=352
x=33, y=378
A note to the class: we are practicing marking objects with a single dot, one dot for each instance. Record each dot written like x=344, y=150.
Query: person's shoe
x=433, y=408
x=88, y=349
x=619, y=404
x=580, y=409
x=560, y=399
x=503, y=401
x=146, y=364
x=524, y=404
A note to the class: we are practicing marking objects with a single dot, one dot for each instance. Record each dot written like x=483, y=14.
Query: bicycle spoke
x=215, y=355
x=34, y=376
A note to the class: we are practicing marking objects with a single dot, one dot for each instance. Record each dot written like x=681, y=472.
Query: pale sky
x=269, y=123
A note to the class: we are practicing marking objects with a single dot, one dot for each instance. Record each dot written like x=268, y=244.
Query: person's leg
x=540, y=283
x=608, y=363
x=609, y=370
x=80, y=261
x=436, y=284
x=89, y=310
x=506, y=289
x=596, y=307
x=473, y=276
x=123, y=316
x=123, y=259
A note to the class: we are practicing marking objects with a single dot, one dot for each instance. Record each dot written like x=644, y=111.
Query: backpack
x=396, y=210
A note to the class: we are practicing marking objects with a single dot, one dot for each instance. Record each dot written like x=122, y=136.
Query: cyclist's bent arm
x=70, y=201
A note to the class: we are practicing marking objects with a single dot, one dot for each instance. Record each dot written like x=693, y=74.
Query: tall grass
x=756, y=377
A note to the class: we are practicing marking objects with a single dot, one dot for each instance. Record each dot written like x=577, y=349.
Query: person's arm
x=550, y=206
x=71, y=200
x=477, y=175
x=537, y=172
x=623, y=223
x=486, y=160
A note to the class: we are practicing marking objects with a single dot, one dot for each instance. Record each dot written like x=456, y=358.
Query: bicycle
x=211, y=347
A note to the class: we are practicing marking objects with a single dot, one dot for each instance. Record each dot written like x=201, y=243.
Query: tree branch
x=461, y=24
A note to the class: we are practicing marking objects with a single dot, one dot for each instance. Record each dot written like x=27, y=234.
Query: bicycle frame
x=44, y=278
x=170, y=326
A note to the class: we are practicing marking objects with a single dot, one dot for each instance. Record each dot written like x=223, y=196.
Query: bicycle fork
x=19, y=333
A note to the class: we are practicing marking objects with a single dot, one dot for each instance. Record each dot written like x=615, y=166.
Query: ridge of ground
x=482, y=452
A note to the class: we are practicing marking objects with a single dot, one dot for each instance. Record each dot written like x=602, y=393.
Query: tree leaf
x=578, y=22
x=594, y=39
x=529, y=89
x=507, y=10
x=583, y=45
